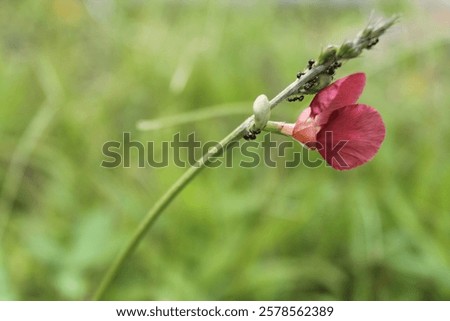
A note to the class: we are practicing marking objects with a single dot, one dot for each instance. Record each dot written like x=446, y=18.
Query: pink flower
x=345, y=133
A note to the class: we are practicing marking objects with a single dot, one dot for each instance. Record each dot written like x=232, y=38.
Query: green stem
x=193, y=116
x=26, y=145
x=182, y=182
x=352, y=50
x=164, y=201
x=275, y=127
x=179, y=185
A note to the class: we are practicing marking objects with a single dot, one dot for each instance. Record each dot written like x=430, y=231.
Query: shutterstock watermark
x=185, y=151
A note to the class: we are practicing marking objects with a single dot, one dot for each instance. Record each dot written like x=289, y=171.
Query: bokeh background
x=76, y=74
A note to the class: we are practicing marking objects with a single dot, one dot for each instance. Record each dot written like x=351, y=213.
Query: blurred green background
x=75, y=74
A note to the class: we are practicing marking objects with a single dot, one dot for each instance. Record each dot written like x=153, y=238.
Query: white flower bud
x=261, y=110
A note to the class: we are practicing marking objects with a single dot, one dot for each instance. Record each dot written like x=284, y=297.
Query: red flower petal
x=304, y=115
x=306, y=133
x=305, y=128
x=341, y=93
x=351, y=137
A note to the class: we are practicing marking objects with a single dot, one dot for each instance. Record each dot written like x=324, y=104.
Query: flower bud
x=261, y=111
x=367, y=33
x=329, y=54
x=348, y=50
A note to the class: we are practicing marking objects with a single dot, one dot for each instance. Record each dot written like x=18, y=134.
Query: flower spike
x=345, y=133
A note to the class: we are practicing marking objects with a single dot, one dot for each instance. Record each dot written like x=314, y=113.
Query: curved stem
x=179, y=185
x=193, y=116
x=347, y=51
x=21, y=155
x=184, y=179
x=164, y=201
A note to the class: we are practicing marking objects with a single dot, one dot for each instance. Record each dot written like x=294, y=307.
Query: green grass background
x=75, y=74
